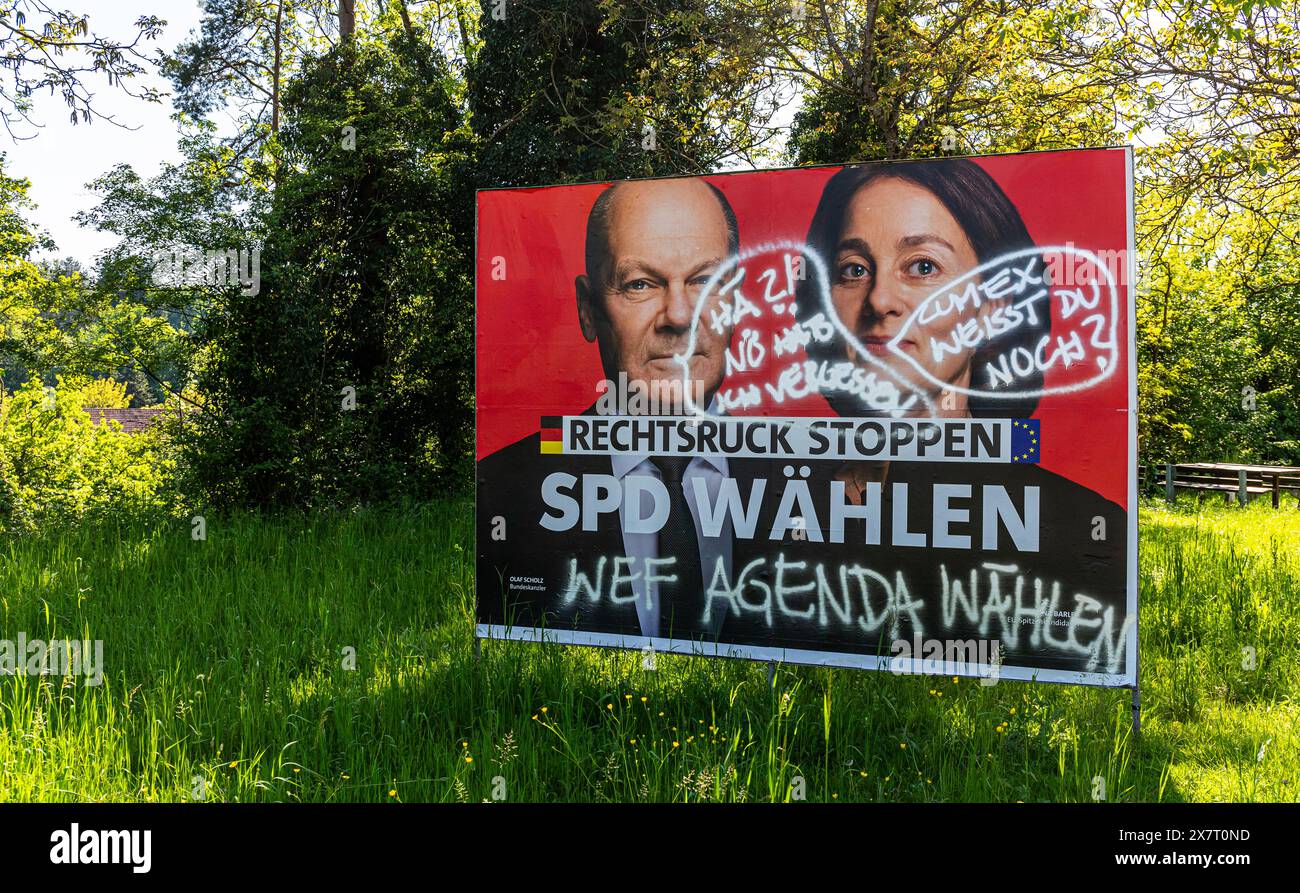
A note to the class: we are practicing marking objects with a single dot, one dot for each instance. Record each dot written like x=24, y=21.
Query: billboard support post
x=771, y=674
x=1137, y=711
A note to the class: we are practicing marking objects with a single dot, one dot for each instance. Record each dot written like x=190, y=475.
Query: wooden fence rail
x=1240, y=482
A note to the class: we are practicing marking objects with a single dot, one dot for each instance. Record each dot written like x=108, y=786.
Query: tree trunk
x=347, y=18
x=275, y=70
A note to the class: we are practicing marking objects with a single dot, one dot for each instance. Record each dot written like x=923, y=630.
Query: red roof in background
x=131, y=420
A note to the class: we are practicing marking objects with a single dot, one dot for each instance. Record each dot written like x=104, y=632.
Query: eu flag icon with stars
x=1024, y=441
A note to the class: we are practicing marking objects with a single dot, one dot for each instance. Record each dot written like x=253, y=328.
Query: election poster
x=877, y=415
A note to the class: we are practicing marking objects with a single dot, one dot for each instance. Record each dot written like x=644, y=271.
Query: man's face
x=666, y=238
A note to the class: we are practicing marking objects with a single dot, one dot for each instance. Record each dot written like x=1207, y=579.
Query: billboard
x=877, y=415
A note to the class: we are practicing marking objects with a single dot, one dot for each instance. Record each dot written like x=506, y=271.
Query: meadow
x=331, y=659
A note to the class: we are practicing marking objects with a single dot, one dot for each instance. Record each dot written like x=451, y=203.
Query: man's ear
x=586, y=309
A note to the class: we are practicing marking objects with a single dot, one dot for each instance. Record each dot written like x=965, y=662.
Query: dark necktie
x=681, y=603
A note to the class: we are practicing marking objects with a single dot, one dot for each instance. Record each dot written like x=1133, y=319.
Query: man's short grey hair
x=598, y=230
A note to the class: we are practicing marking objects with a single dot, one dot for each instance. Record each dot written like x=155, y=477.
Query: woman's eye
x=923, y=267
x=853, y=270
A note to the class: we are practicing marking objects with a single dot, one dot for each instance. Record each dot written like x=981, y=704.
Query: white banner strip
x=764, y=437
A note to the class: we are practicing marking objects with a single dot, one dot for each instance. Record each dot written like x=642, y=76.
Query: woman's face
x=899, y=244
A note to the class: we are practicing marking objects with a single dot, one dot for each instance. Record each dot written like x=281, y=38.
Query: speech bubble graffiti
x=1082, y=341
x=773, y=293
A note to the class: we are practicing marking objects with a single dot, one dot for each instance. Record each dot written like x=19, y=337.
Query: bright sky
x=61, y=159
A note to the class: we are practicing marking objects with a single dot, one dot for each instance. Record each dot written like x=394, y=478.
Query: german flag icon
x=552, y=434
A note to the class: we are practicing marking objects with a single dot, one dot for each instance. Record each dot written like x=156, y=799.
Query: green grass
x=225, y=677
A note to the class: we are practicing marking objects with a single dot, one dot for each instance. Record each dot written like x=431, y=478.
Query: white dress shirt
x=712, y=470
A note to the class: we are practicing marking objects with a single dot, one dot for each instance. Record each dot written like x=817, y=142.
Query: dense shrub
x=57, y=466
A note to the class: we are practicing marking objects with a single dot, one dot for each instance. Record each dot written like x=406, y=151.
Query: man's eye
x=637, y=285
x=923, y=267
x=853, y=270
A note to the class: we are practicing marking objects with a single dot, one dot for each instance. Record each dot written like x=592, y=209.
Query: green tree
x=43, y=48
x=365, y=296
x=1218, y=222
x=57, y=467
x=34, y=331
x=889, y=79
x=563, y=91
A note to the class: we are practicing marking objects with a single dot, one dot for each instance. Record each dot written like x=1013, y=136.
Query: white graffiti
x=990, y=302
x=998, y=601
x=879, y=385
x=1018, y=288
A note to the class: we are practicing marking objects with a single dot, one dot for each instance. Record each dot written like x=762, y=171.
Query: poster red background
x=533, y=361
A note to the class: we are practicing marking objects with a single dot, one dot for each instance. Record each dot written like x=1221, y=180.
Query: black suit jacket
x=1081, y=560
x=524, y=569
